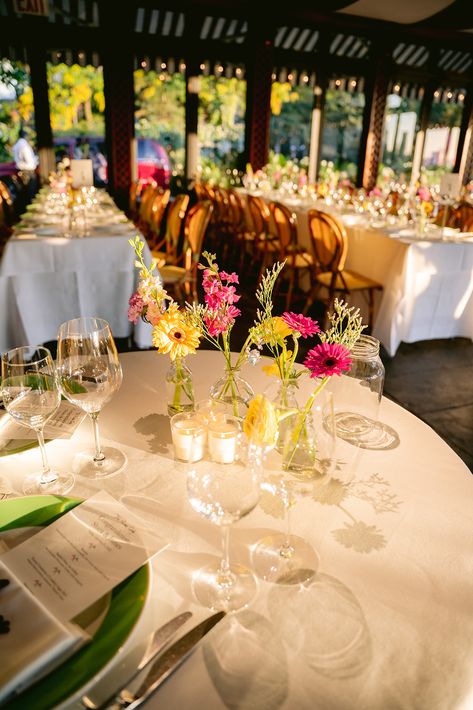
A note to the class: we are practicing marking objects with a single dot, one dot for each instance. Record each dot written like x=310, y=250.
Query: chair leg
x=311, y=297
x=290, y=289
x=370, y=309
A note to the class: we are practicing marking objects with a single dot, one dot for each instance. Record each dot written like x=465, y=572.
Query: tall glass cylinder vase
x=233, y=391
x=180, y=388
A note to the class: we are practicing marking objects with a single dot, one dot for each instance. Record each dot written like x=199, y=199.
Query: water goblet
x=89, y=375
x=307, y=455
x=223, y=487
x=31, y=396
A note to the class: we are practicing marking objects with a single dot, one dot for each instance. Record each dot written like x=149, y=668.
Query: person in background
x=26, y=162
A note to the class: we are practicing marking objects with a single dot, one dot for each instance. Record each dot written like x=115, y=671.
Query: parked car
x=153, y=160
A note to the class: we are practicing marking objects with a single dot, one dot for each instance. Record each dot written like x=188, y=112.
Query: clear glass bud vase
x=233, y=391
x=283, y=395
x=299, y=445
x=180, y=388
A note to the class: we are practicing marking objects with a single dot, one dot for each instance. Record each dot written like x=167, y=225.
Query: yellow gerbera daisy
x=275, y=331
x=173, y=335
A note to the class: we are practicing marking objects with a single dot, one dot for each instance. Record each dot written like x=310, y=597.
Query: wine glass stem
x=47, y=475
x=98, y=455
x=287, y=550
x=225, y=576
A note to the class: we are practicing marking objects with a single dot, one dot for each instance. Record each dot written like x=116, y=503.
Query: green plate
x=126, y=605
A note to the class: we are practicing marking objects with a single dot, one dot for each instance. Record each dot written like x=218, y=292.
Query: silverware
x=155, y=644
x=163, y=666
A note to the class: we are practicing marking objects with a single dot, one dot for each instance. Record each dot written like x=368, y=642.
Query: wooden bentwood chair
x=183, y=278
x=330, y=248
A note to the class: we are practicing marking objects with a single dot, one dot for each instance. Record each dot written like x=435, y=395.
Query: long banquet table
x=388, y=620
x=47, y=278
x=427, y=280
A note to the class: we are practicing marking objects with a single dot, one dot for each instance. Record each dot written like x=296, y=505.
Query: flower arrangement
x=331, y=356
x=215, y=320
x=174, y=331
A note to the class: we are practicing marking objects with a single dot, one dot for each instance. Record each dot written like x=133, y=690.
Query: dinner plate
x=123, y=609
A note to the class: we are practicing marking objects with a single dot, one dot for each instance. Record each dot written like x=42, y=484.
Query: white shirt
x=24, y=156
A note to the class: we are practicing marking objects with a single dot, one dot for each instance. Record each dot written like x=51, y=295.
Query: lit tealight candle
x=188, y=437
x=222, y=439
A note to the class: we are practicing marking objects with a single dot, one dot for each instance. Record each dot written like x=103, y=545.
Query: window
x=159, y=123
x=221, y=127
x=399, y=134
x=16, y=109
x=343, y=122
x=77, y=104
x=441, y=138
x=291, y=113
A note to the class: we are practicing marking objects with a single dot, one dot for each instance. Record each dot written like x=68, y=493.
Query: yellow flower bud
x=261, y=422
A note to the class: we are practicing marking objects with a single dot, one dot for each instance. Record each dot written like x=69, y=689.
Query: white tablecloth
x=427, y=282
x=46, y=280
x=388, y=621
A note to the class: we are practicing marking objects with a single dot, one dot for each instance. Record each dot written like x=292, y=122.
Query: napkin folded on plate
x=32, y=641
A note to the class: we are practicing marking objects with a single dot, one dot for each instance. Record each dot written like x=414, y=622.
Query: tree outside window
x=399, y=133
x=343, y=123
x=290, y=123
x=441, y=139
x=16, y=106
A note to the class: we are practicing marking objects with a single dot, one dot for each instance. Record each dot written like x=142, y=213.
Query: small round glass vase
x=233, y=391
x=299, y=445
x=180, y=388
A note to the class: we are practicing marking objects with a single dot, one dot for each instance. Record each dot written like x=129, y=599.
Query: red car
x=153, y=160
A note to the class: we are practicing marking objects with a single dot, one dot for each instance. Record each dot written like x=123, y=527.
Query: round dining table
x=387, y=619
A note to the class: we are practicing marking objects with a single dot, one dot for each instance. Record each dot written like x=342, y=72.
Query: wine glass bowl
x=89, y=375
x=31, y=396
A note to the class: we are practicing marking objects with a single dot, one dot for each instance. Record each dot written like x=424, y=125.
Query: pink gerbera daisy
x=328, y=359
x=301, y=324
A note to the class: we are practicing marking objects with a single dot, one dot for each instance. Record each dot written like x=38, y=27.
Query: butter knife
x=155, y=644
x=164, y=665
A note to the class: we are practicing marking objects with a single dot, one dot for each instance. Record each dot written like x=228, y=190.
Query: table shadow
x=155, y=427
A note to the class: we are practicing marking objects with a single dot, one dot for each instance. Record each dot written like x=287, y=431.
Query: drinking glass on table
x=31, y=395
x=223, y=487
x=89, y=375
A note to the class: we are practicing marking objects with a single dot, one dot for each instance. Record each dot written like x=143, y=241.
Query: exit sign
x=31, y=7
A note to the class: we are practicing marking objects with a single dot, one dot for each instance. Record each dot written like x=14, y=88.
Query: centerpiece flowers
x=215, y=320
x=331, y=356
x=174, y=330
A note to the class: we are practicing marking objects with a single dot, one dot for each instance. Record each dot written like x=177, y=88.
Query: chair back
x=329, y=241
x=237, y=210
x=174, y=219
x=133, y=196
x=7, y=201
x=259, y=215
x=464, y=216
x=158, y=207
x=285, y=223
x=195, y=226
x=146, y=203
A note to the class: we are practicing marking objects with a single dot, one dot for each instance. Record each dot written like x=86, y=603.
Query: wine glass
x=89, y=375
x=223, y=487
x=282, y=557
x=31, y=396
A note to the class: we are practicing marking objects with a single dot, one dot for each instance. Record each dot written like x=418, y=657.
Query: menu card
x=82, y=173
x=81, y=556
x=32, y=640
x=450, y=185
